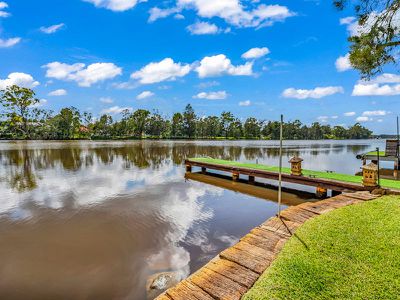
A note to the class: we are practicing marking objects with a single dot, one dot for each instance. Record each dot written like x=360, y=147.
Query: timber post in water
x=321, y=192
x=252, y=179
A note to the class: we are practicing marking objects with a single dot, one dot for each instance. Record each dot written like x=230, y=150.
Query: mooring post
x=321, y=192
x=189, y=168
x=251, y=179
x=203, y=170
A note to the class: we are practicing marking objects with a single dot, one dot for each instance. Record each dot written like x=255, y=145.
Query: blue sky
x=106, y=55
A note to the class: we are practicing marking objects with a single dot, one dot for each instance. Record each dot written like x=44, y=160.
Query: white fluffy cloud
x=374, y=113
x=3, y=14
x=347, y=20
x=362, y=119
x=20, y=79
x=200, y=28
x=368, y=116
x=231, y=11
x=106, y=100
x=349, y=114
x=84, y=76
x=318, y=92
x=212, y=66
x=212, y=95
x=52, y=29
x=234, y=13
x=245, y=103
x=160, y=13
x=164, y=70
x=343, y=63
x=144, y=95
x=59, y=92
x=115, y=110
x=374, y=89
x=9, y=42
x=114, y=5
x=254, y=53
x=384, y=85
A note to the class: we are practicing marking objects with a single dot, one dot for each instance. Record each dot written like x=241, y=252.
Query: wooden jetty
x=322, y=184
x=235, y=270
x=391, y=154
x=323, y=181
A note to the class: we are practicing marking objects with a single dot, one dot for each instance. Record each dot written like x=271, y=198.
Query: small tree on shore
x=20, y=110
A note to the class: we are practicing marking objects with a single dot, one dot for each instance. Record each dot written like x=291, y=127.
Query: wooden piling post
x=321, y=192
x=251, y=179
x=235, y=176
x=203, y=170
x=189, y=168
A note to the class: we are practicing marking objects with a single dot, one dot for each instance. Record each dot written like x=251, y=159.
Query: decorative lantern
x=370, y=175
x=296, y=165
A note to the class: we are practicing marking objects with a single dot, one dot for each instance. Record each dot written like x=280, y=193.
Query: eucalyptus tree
x=226, y=120
x=177, y=125
x=377, y=38
x=252, y=128
x=138, y=121
x=20, y=110
x=189, y=121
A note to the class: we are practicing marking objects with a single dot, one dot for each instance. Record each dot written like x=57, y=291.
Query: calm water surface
x=93, y=220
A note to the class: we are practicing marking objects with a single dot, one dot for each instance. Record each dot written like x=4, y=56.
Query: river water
x=93, y=220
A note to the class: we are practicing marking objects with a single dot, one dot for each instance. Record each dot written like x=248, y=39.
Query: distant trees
x=65, y=125
x=22, y=119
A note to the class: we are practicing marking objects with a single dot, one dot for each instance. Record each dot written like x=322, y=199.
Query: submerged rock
x=157, y=283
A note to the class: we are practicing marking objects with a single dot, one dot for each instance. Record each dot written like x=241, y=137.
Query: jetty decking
x=234, y=271
x=324, y=180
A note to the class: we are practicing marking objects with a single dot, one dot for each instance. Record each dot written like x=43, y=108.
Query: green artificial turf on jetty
x=387, y=183
x=349, y=253
x=375, y=153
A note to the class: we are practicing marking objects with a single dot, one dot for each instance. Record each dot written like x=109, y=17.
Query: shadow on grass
x=293, y=233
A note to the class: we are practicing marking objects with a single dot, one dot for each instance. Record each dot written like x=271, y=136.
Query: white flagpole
x=280, y=169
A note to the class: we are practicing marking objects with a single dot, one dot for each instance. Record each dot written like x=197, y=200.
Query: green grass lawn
x=350, y=253
x=375, y=153
x=387, y=183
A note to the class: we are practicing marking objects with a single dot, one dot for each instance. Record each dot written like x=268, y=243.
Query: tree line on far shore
x=21, y=118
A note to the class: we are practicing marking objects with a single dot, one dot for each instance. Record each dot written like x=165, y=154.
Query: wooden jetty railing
x=321, y=184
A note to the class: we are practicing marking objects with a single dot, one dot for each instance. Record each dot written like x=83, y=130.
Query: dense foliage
x=22, y=119
x=376, y=41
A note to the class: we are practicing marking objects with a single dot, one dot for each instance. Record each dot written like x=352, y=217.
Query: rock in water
x=158, y=283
